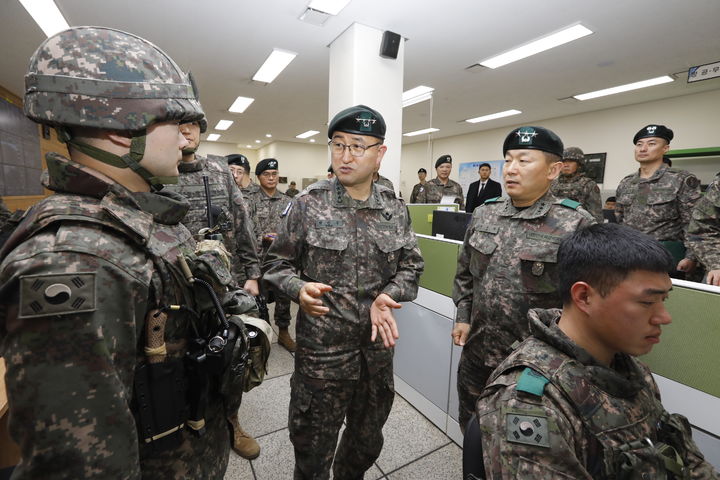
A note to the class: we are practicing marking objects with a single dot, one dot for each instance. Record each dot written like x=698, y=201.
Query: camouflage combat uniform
x=551, y=411
x=434, y=191
x=385, y=182
x=361, y=249
x=660, y=206
x=76, y=294
x=235, y=224
x=291, y=192
x=582, y=189
x=417, y=189
x=251, y=189
x=704, y=228
x=266, y=214
x=507, y=265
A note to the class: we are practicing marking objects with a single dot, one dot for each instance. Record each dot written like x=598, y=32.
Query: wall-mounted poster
x=20, y=165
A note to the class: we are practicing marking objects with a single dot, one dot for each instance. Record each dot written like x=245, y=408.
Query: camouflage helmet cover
x=574, y=154
x=105, y=78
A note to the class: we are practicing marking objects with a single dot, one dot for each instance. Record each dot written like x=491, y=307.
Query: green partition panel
x=689, y=348
x=440, y=265
x=421, y=216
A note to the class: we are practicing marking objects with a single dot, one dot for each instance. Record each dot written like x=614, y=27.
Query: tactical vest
x=171, y=391
x=635, y=445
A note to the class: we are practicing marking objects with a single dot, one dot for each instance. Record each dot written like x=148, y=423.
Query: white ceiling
x=223, y=42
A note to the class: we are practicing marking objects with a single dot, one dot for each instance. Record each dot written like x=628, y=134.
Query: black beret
x=422, y=170
x=443, y=159
x=266, y=164
x=533, y=138
x=359, y=119
x=660, y=131
x=238, y=159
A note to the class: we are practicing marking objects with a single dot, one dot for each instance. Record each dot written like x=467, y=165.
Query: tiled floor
x=414, y=447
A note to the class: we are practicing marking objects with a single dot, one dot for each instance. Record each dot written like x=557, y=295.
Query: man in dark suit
x=482, y=190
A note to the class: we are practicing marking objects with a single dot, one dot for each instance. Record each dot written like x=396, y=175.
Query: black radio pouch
x=160, y=396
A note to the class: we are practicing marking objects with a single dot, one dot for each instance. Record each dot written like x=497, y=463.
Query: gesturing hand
x=383, y=321
x=309, y=298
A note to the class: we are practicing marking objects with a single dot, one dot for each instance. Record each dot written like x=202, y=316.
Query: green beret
x=533, y=138
x=360, y=120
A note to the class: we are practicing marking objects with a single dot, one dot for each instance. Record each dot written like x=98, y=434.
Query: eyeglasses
x=356, y=150
x=269, y=174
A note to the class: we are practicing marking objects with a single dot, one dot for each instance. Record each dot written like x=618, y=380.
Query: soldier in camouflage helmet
x=704, y=231
x=266, y=207
x=508, y=259
x=659, y=200
x=442, y=186
x=355, y=255
x=572, y=184
x=88, y=278
x=230, y=218
x=572, y=401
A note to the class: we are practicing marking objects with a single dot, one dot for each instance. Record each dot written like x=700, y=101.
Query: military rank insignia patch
x=60, y=294
x=527, y=429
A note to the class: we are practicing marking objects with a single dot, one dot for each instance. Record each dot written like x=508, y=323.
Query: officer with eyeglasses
x=345, y=252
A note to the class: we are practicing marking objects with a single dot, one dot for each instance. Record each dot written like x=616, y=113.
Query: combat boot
x=286, y=340
x=243, y=444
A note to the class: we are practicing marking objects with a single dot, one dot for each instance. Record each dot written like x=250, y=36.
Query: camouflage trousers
x=472, y=376
x=282, y=311
x=317, y=410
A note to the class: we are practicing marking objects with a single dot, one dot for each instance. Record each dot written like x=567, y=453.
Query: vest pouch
x=259, y=334
x=638, y=460
x=160, y=397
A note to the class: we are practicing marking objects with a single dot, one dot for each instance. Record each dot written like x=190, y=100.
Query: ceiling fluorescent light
x=308, y=134
x=240, y=104
x=331, y=7
x=546, y=43
x=493, y=116
x=223, y=124
x=416, y=95
x=624, y=88
x=213, y=137
x=420, y=132
x=275, y=63
x=46, y=15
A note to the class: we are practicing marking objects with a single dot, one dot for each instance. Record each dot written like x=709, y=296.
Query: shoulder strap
x=566, y=202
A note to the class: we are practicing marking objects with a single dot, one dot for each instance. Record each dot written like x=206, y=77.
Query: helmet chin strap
x=188, y=151
x=130, y=160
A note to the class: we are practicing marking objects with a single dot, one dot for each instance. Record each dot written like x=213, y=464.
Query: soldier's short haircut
x=552, y=158
x=603, y=255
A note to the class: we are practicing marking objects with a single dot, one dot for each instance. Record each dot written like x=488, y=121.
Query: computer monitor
x=450, y=224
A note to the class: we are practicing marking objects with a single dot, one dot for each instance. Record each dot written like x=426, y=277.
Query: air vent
x=314, y=17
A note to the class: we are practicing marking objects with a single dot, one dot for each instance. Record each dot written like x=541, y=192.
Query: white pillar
x=359, y=75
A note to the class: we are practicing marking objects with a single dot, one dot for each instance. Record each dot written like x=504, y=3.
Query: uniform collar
x=65, y=176
x=194, y=166
x=537, y=210
x=623, y=379
x=341, y=199
x=655, y=176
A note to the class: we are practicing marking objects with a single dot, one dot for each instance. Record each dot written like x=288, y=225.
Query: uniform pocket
x=539, y=269
x=482, y=249
x=324, y=256
x=662, y=205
